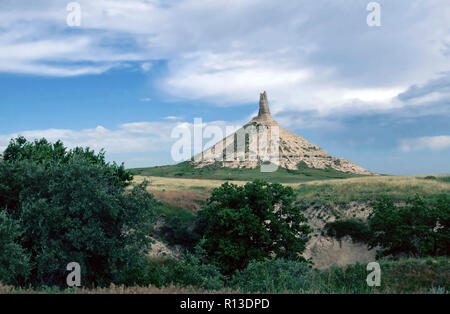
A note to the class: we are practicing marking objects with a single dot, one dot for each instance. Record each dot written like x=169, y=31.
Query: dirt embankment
x=327, y=251
x=324, y=251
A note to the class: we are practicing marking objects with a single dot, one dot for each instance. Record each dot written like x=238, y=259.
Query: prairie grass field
x=189, y=193
x=400, y=188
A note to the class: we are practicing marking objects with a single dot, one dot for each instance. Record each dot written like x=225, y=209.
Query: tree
x=252, y=222
x=179, y=231
x=43, y=151
x=420, y=228
x=73, y=207
x=14, y=262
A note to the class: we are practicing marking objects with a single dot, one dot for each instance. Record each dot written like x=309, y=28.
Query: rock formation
x=262, y=140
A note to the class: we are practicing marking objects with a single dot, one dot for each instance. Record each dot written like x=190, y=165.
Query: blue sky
x=133, y=70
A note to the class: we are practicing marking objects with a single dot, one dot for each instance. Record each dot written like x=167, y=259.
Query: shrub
x=178, y=231
x=190, y=270
x=445, y=179
x=410, y=275
x=75, y=210
x=273, y=276
x=355, y=228
x=397, y=276
x=14, y=262
x=421, y=228
x=347, y=279
x=254, y=221
x=43, y=151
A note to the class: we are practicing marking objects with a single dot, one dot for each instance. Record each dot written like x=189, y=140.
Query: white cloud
x=425, y=142
x=173, y=118
x=230, y=78
x=146, y=66
x=146, y=99
x=227, y=79
x=309, y=55
x=131, y=137
x=128, y=138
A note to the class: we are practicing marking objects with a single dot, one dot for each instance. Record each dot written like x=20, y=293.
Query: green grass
x=341, y=192
x=412, y=275
x=323, y=192
x=216, y=172
x=438, y=178
x=170, y=211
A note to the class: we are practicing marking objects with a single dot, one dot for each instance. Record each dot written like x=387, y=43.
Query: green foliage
x=339, y=193
x=410, y=275
x=445, y=179
x=75, y=210
x=191, y=270
x=421, y=228
x=347, y=279
x=413, y=274
x=437, y=290
x=285, y=276
x=397, y=276
x=357, y=229
x=177, y=231
x=39, y=150
x=273, y=276
x=254, y=221
x=43, y=151
x=14, y=262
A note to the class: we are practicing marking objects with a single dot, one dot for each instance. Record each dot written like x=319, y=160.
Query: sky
x=133, y=70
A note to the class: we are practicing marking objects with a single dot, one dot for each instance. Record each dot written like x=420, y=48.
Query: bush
x=75, y=209
x=421, y=228
x=191, y=270
x=355, y=228
x=397, y=276
x=410, y=275
x=346, y=279
x=254, y=221
x=14, y=262
x=273, y=276
x=43, y=151
x=178, y=231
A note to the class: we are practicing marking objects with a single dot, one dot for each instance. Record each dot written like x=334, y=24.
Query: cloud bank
x=425, y=142
x=323, y=67
x=309, y=55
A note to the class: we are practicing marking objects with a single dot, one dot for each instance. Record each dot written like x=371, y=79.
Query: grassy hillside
x=400, y=188
x=326, y=199
x=189, y=193
x=216, y=172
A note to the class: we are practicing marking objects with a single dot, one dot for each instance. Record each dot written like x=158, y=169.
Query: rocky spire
x=264, y=116
x=263, y=106
x=240, y=148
